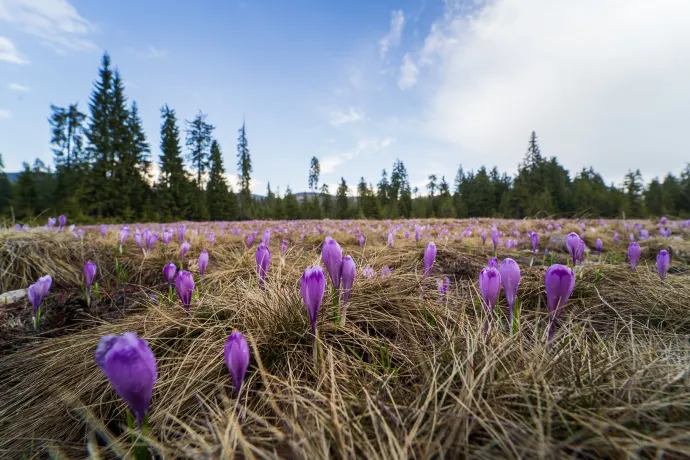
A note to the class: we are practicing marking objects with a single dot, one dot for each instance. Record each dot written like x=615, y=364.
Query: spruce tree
x=101, y=193
x=136, y=157
x=292, y=210
x=217, y=195
x=341, y=201
x=5, y=190
x=199, y=139
x=173, y=183
x=26, y=194
x=67, y=140
x=244, y=167
x=326, y=201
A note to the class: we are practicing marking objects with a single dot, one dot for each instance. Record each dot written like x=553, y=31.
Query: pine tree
x=198, y=143
x=173, y=183
x=67, y=140
x=326, y=202
x=654, y=198
x=26, y=203
x=633, y=190
x=136, y=156
x=382, y=189
x=314, y=172
x=100, y=194
x=292, y=210
x=217, y=195
x=244, y=167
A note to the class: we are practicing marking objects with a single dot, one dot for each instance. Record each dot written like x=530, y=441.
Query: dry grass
x=406, y=377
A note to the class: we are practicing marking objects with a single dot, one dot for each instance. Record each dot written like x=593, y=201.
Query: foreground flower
x=128, y=363
x=429, y=258
x=63, y=221
x=348, y=273
x=263, y=260
x=203, y=262
x=534, y=240
x=390, y=240
x=124, y=234
x=332, y=257
x=510, y=279
x=283, y=247
x=184, y=284
x=634, y=252
x=236, y=355
x=489, y=287
x=89, y=273
x=493, y=263
x=184, y=248
x=313, y=286
x=169, y=272
x=37, y=293
x=559, y=282
x=663, y=260
x=494, y=237
x=598, y=246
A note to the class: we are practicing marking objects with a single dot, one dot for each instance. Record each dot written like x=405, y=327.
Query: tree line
x=104, y=172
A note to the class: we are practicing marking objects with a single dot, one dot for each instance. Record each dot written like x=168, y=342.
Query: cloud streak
x=331, y=162
x=10, y=53
x=18, y=87
x=392, y=38
x=354, y=114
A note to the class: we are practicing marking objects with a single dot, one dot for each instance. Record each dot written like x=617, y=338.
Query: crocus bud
x=580, y=253
x=390, y=240
x=169, y=272
x=184, y=284
x=250, y=240
x=429, y=258
x=493, y=263
x=283, y=247
x=184, y=248
x=128, y=363
x=124, y=234
x=572, y=242
x=510, y=279
x=332, y=257
x=89, y=273
x=180, y=233
x=417, y=233
x=559, y=282
x=236, y=354
x=63, y=221
x=104, y=231
x=615, y=238
x=138, y=238
x=534, y=239
x=313, y=286
x=483, y=237
x=443, y=286
x=38, y=291
x=634, y=252
x=166, y=237
x=599, y=245
x=203, y=262
x=263, y=260
x=494, y=237
x=663, y=260
x=347, y=273
x=489, y=287
x=266, y=238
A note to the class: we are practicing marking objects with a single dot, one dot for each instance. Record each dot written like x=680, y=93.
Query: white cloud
x=18, y=87
x=602, y=83
x=9, y=52
x=330, y=163
x=353, y=114
x=155, y=53
x=55, y=21
x=392, y=38
x=408, y=73
x=5, y=114
x=257, y=186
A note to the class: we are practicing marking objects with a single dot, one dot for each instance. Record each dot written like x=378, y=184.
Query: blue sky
x=361, y=83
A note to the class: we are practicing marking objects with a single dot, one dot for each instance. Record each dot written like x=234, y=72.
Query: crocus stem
x=313, y=333
x=342, y=318
x=88, y=298
x=335, y=300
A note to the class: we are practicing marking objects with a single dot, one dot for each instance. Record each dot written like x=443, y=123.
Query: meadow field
x=416, y=369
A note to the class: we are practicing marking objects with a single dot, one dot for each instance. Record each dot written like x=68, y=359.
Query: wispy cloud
x=155, y=53
x=408, y=73
x=9, y=52
x=354, y=114
x=5, y=114
x=392, y=38
x=55, y=21
x=18, y=87
x=330, y=163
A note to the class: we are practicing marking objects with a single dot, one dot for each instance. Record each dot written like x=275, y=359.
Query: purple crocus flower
x=124, y=234
x=493, y=263
x=347, y=277
x=184, y=248
x=483, y=237
x=559, y=282
x=89, y=273
x=443, y=286
x=634, y=252
x=169, y=272
x=407, y=235
x=390, y=240
x=63, y=221
x=166, y=237
x=184, y=284
x=128, y=363
x=138, y=238
x=534, y=239
x=266, y=238
x=615, y=238
x=203, y=262
x=510, y=279
x=429, y=258
x=386, y=272
x=180, y=233
x=104, y=231
x=313, y=286
x=211, y=238
x=332, y=257
x=494, y=237
x=250, y=240
x=489, y=287
x=599, y=245
x=361, y=240
x=368, y=272
x=572, y=242
x=236, y=355
x=37, y=293
x=283, y=247
x=51, y=222
x=417, y=234
x=263, y=260
x=663, y=260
